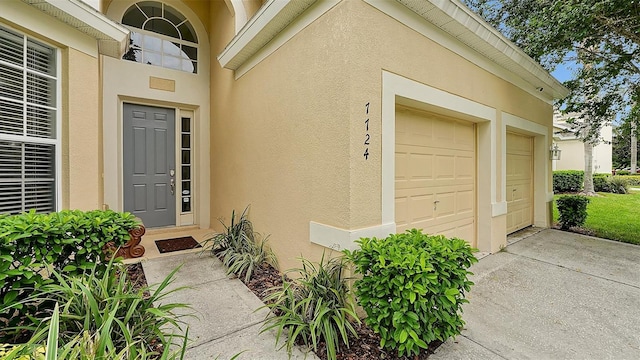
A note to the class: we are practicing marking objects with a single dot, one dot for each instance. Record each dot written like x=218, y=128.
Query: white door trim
x=400, y=90
x=541, y=164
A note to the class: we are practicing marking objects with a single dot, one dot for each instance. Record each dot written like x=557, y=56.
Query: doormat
x=177, y=244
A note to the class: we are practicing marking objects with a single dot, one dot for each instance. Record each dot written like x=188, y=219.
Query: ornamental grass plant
x=316, y=308
x=239, y=247
x=100, y=316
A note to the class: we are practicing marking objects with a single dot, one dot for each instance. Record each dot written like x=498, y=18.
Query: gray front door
x=149, y=164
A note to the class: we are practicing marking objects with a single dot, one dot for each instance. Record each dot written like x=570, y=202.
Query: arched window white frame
x=161, y=36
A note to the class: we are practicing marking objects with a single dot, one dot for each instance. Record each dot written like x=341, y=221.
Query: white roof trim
x=468, y=27
x=269, y=21
x=449, y=15
x=113, y=38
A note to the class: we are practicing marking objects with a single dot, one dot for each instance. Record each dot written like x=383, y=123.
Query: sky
x=562, y=72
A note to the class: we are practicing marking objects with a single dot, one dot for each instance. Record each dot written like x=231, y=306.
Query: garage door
x=519, y=182
x=435, y=174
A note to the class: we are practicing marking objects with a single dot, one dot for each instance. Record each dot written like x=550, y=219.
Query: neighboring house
x=572, y=147
x=333, y=119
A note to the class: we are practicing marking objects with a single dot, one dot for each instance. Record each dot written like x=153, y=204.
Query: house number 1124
x=367, y=137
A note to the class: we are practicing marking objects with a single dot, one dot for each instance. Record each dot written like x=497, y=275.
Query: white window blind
x=28, y=111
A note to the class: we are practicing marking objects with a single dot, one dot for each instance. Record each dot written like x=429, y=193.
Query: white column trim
x=340, y=239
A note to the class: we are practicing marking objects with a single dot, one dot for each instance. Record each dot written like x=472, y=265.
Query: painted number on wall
x=367, y=137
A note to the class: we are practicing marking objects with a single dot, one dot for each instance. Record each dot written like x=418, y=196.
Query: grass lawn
x=613, y=216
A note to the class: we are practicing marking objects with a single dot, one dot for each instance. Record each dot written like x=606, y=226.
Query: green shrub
x=601, y=182
x=100, y=316
x=316, y=308
x=239, y=247
x=70, y=242
x=618, y=185
x=413, y=286
x=572, y=210
x=623, y=172
x=567, y=181
x=631, y=180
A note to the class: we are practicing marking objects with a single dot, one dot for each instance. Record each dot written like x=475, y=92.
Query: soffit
x=112, y=38
x=266, y=24
x=469, y=28
x=449, y=15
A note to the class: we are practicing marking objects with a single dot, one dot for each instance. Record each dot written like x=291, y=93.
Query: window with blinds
x=28, y=111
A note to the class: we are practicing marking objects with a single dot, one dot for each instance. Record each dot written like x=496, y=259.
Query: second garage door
x=519, y=182
x=435, y=174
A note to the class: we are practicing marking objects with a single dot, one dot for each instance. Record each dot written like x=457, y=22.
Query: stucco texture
x=81, y=160
x=287, y=137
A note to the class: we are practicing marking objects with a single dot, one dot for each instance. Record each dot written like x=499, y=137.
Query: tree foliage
x=602, y=37
x=621, y=150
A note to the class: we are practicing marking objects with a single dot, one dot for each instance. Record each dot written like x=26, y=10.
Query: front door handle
x=172, y=184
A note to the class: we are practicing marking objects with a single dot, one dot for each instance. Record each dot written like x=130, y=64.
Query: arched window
x=161, y=36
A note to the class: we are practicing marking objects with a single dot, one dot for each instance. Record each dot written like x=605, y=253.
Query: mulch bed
x=577, y=230
x=365, y=347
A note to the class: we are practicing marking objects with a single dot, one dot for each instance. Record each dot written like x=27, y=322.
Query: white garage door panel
x=435, y=174
x=519, y=182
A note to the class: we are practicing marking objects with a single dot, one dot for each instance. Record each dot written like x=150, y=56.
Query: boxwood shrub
x=69, y=242
x=568, y=181
x=572, y=210
x=601, y=183
x=412, y=287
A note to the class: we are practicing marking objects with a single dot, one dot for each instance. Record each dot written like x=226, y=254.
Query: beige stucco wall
x=79, y=171
x=280, y=136
x=287, y=136
x=81, y=145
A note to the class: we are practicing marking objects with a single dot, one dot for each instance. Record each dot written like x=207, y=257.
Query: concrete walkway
x=226, y=322
x=550, y=295
x=553, y=295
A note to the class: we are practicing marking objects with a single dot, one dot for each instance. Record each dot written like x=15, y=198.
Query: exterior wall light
x=555, y=152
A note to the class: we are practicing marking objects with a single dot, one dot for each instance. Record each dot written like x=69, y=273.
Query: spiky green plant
x=102, y=314
x=85, y=346
x=239, y=247
x=313, y=309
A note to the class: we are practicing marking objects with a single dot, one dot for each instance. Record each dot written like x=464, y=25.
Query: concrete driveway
x=553, y=295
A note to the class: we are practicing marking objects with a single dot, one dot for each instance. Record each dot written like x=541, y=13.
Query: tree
x=621, y=145
x=600, y=37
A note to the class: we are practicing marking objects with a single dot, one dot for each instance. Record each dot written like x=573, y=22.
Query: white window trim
x=180, y=41
x=57, y=141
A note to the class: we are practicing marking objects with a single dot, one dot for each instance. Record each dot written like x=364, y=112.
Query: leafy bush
x=601, y=182
x=413, y=286
x=95, y=316
x=567, y=181
x=239, y=247
x=631, y=180
x=70, y=242
x=316, y=308
x=572, y=210
x=623, y=172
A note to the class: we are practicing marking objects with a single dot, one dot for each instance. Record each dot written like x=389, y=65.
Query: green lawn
x=613, y=216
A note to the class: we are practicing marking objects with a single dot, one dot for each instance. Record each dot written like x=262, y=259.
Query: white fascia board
x=270, y=19
x=89, y=21
x=483, y=38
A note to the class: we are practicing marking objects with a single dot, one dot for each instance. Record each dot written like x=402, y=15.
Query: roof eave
x=450, y=15
x=112, y=37
x=469, y=28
